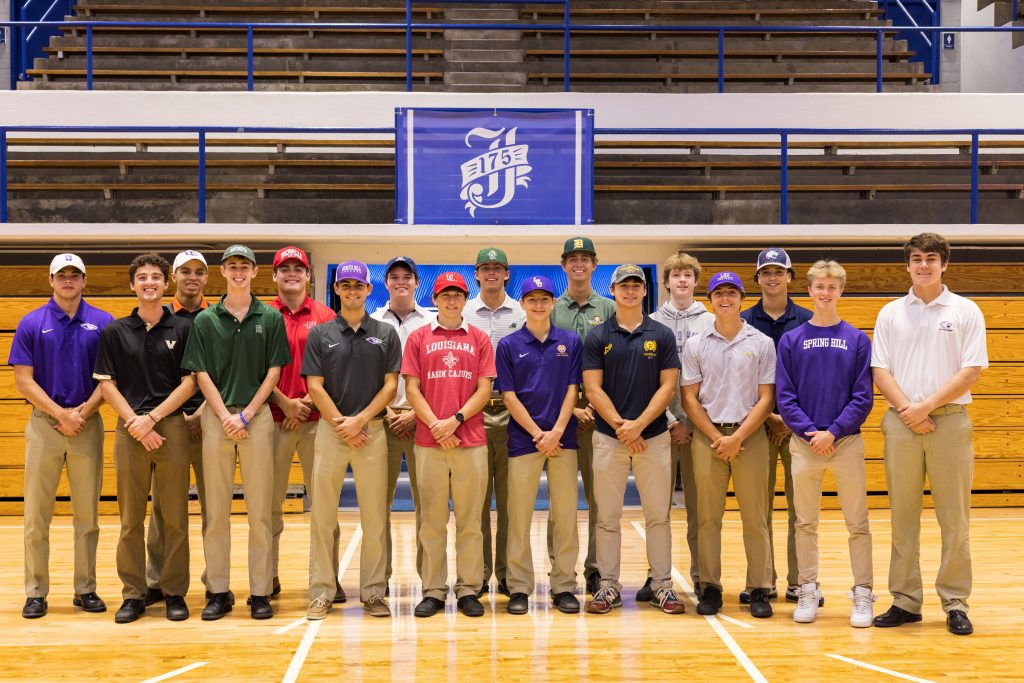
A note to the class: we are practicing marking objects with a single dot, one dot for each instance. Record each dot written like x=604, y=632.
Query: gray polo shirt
x=728, y=372
x=352, y=363
x=498, y=323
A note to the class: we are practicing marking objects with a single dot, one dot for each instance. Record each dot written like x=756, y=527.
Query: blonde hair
x=827, y=268
x=680, y=261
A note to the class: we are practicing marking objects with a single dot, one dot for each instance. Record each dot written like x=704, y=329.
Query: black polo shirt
x=632, y=363
x=794, y=317
x=195, y=400
x=146, y=364
x=353, y=363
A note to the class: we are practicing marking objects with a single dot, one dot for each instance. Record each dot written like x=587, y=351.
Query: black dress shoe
x=177, y=610
x=645, y=594
x=759, y=605
x=153, y=596
x=470, y=606
x=218, y=605
x=593, y=583
x=259, y=607
x=339, y=593
x=503, y=588
x=276, y=590
x=131, y=610
x=710, y=601
x=89, y=602
x=896, y=616
x=485, y=588
x=958, y=623
x=428, y=607
x=231, y=596
x=566, y=603
x=34, y=608
x=518, y=603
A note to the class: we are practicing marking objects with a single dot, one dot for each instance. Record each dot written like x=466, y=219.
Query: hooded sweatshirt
x=684, y=324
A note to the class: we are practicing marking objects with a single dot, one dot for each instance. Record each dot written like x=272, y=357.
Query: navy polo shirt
x=61, y=350
x=794, y=317
x=539, y=373
x=632, y=363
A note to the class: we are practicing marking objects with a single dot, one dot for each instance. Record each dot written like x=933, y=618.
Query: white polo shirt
x=923, y=345
x=418, y=318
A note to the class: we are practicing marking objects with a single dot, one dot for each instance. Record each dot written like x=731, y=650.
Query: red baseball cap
x=290, y=254
x=450, y=280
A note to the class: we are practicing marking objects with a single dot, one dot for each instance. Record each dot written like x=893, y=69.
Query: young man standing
x=448, y=367
x=140, y=375
x=774, y=315
x=351, y=365
x=728, y=391
x=539, y=377
x=581, y=309
x=498, y=315
x=53, y=354
x=295, y=418
x=686, y=318
x=929, y=350
x=823, y=392
x=406, y=316
x=631, y=371
x=237, y=349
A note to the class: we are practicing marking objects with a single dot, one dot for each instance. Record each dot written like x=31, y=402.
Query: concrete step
x=481, y=15
x=481, y=35
x=478, y=56
x=464, y=79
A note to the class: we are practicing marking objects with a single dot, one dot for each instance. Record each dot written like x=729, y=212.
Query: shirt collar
x=345, y=326
x=789, y=314
x=306, y=305
x=478, y=304
x=745, y=331
x=136, y=321
x=254, y=307
x=176, y=305
x=645, y=326
x=572, y=302
x=943, y=299
x=59, y=313
x=434, y=324
x=555, y=334
x=386, y=309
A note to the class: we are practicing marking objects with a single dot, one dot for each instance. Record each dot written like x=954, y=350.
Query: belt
x=495, y=404
x=727, y=425
x=949, y=409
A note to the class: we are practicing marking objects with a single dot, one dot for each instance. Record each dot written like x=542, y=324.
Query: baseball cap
x=238, y=250
x=584, y=244
x=61, y=261
x=726, y=277
x=352, y=270
x=290, y=254
x=403, y=261
x=186, y=256
x=773, y=256
x=627, y=271
x=536, y=283
x=492, y=255
x=449, y=280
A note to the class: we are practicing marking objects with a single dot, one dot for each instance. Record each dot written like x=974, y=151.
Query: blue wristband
x=241, y=417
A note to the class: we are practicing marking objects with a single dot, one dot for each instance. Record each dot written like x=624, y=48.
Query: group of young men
x=479, y=398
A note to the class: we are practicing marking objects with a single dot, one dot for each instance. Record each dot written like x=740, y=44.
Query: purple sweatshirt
x=823, y=379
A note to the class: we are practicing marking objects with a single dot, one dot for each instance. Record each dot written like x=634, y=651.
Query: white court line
x=732, y=620
x=879, y=669
x=176, y=672
x=288, y=627
x=716, y=625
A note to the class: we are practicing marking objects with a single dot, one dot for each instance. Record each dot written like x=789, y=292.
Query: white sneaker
x=862, y=612
x=806, y=604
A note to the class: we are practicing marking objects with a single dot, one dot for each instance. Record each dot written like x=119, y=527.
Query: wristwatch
x=461, y=418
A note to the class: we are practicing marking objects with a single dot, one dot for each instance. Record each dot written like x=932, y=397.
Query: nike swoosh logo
x=49, y=330
x=331, y=346
x=524, y=354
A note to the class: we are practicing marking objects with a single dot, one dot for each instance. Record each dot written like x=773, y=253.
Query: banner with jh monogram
x=494, y=166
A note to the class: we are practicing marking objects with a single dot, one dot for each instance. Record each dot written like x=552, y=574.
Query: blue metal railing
x=918, y=13
x=564, y=27
x=783, y=134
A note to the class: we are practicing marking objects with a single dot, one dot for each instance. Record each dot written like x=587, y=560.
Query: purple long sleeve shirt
x=823, y=379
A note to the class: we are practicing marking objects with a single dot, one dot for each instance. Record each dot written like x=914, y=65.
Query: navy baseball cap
x=726, y=277
x=536, y=283
x=401, y=261
x=352, y=270
x=773, y=256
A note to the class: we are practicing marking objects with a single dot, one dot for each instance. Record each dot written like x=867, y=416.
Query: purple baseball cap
x=726, y=277
x=536, y=283
x=352, y=270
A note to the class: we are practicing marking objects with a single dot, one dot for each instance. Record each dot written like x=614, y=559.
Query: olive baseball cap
x=238, y=250
x=491, y=255
x=582, y=244
x=628, y=271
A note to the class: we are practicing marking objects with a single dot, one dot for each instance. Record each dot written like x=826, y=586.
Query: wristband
x=241, y=416
x=150, y=416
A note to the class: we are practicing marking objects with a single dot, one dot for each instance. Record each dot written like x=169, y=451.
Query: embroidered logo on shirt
x=374, y=340
x=171, y=343
x=650, y=348
x=259, y=329
x=595, y=321
x=946, y=326
x=49, y=330
x=309, y=324
x=524, y=355
x=561, y=350
x=607, y=348
x=450, y=359
x=89, y=326
x=331, y=346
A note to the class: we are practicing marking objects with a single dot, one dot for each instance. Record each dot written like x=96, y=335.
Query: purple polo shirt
x=539, y=373
x=61, y=350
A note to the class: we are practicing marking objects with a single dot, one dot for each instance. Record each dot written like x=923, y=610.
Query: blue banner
x=494, y=166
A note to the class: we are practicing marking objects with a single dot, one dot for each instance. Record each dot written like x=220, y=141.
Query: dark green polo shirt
x=237, y=355
x=568, y=315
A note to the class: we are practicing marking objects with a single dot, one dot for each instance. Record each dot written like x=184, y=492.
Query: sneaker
x=760, y=608
x=807, y=604
x=667, y=601
x=793, y=593
x=605, y=599
x=645, y=594
x=710, y=600
x=862, y=612
x=377, y=606
x=318, y=609
x=594, y=583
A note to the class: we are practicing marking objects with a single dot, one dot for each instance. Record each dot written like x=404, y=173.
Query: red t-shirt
x=297, y=326
x=448, y=364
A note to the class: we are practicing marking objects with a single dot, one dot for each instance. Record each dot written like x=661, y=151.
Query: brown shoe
x=377, y=606
x=604, y=601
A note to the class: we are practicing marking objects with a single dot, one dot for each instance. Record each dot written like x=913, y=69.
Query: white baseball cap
x=61, y=261
x=186, y=256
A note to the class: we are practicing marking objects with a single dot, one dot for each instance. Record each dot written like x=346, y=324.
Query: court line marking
x=879, y=669
x=176, y=672
x=716, y=625
x=288, y=627
x=732, y=620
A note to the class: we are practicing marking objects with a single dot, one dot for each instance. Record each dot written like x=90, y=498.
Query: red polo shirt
x=448, y=364
x=297, y=325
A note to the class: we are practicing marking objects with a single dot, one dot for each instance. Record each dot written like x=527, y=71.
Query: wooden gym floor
x=633, y=643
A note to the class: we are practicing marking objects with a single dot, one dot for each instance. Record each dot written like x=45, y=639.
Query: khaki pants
x=847, y=466
x=255, y=455
x=165, y=471
x=286, y=443
x=585, y=460
x=682, y=455
x=46, y=452
x=651, y=470
x=749, y=473
x=523, y=481
x=462, y=472
x=155, y=535
x=496, y=426
x=946, y=455
x=775, y=453
x=370, y=469
x=396, y=449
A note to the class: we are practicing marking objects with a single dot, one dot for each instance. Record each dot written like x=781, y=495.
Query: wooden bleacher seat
x=238, y=75
x=786, y=77
x=187, y=51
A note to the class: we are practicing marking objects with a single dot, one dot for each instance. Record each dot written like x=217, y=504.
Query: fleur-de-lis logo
x=450, y=360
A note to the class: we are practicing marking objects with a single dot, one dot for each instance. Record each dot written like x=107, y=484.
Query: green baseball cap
x=583, y=244
x=238, y=250
x=492, y=255
x=628, y=271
